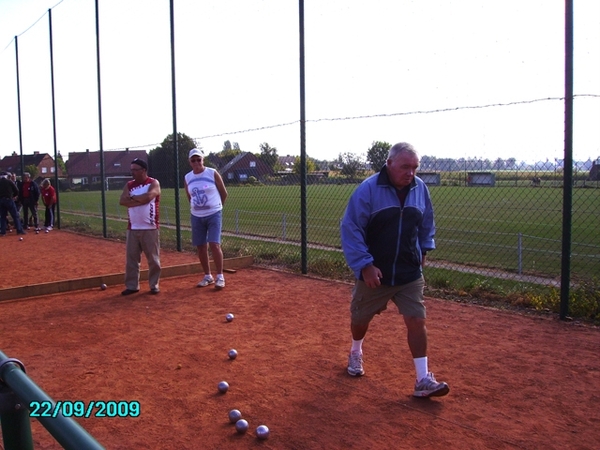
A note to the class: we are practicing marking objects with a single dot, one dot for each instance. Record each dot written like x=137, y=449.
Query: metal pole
x=303, y=213
x=57, y=218
x=565, y=279
x=520, y=253
x=175, y=140
x=19, y=107
x=14, y=418
x=65, y=430
x=102, y=187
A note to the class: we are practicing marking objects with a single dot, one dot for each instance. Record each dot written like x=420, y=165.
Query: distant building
x=84, y=167
x=42, y=161
x=287, y=162
x=595, y=171
x=244, y=166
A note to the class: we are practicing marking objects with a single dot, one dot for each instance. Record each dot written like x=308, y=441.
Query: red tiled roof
x=115, y=162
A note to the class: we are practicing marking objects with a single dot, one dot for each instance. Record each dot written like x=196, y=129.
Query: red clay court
x=517, y=380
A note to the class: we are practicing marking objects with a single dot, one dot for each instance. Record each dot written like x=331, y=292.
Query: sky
x=457, y=79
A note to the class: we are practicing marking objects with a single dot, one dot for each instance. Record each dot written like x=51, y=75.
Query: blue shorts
x=207, y=229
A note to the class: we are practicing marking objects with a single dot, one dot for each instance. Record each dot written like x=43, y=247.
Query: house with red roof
x=42, y=161
x=84, y=167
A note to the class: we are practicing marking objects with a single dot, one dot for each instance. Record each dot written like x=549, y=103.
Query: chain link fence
x=501, y=225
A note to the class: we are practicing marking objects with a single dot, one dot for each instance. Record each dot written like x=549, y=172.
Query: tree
x=61, y=164
x=268, y=155
x=310, y=165
x=161, y=164
x=377, y=154
x=351, y=164
x=33, y=171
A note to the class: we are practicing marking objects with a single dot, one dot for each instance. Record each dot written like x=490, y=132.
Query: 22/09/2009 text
x=79, y=408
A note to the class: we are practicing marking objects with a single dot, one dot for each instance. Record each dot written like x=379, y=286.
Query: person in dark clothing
x=29, y=195
x=8, y=192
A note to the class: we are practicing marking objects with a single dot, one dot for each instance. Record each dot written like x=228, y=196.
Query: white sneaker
x=208, y=279
x=220, y=284
x=429, y=387
x=355, y=364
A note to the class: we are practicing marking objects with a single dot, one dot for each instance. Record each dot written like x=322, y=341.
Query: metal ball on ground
x=241, y=426
x=262, y=432
x=234, y=415
x=223, y=387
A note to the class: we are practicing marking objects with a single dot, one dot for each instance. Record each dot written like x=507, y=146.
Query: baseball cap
x=195, y=152
x=140, y=163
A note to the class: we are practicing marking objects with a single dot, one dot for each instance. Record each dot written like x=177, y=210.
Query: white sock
x=421, y=367
x=357, y=345
x=220, y=275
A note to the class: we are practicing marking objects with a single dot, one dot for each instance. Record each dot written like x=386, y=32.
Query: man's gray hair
x=26, y=174
x=402, y=147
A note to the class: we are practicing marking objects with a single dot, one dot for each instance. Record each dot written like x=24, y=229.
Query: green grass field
x=513, y=229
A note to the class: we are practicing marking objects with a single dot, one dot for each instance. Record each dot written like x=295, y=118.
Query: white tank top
x=205, y=199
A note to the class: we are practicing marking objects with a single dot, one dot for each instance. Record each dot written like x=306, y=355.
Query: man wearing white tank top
x=207, y=194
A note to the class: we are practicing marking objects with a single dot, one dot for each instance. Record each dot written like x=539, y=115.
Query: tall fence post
x=237, y=221
x=284, y=227
x=520, y=253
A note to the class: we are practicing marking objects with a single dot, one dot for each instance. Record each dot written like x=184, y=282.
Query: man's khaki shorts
x=367, y=302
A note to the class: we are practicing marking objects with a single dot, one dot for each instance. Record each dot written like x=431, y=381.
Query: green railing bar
x=65, y=430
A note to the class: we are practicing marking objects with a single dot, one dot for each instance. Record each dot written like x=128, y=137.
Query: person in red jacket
x=49, y=199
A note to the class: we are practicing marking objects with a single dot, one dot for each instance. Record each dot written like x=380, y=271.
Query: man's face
x=402, y=169
x=137, y=172
x=197, y=163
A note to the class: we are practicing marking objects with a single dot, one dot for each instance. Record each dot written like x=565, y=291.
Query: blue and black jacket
x=377, y=229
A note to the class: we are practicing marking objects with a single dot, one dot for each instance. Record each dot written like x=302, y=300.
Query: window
x=243, y=176
x=230, y=176
x=97, y=164
x=117, y=164
x=52, y=169
x=252, y=163
x=44, y=170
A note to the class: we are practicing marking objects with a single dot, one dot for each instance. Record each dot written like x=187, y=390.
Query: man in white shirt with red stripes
x=141, y=196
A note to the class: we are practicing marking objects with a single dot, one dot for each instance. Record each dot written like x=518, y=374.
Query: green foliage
x=351, y=164
x=161, y=162
x=584, y=300
x=33, y=171
x=377, y=154
x=228, y=153
x=310, y=165
x=61, y=164
x=268, y=155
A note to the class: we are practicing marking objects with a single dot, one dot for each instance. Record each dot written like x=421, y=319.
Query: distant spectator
x=8, y=192
x=29, y=195
x=49, y=199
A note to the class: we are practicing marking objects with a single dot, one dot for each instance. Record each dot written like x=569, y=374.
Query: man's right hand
x=372, y=276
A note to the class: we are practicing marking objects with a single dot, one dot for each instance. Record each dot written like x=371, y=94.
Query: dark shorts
x=367, y=302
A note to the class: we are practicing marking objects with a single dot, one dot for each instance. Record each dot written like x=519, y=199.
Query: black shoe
x=129, y=291
x=154, y=291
